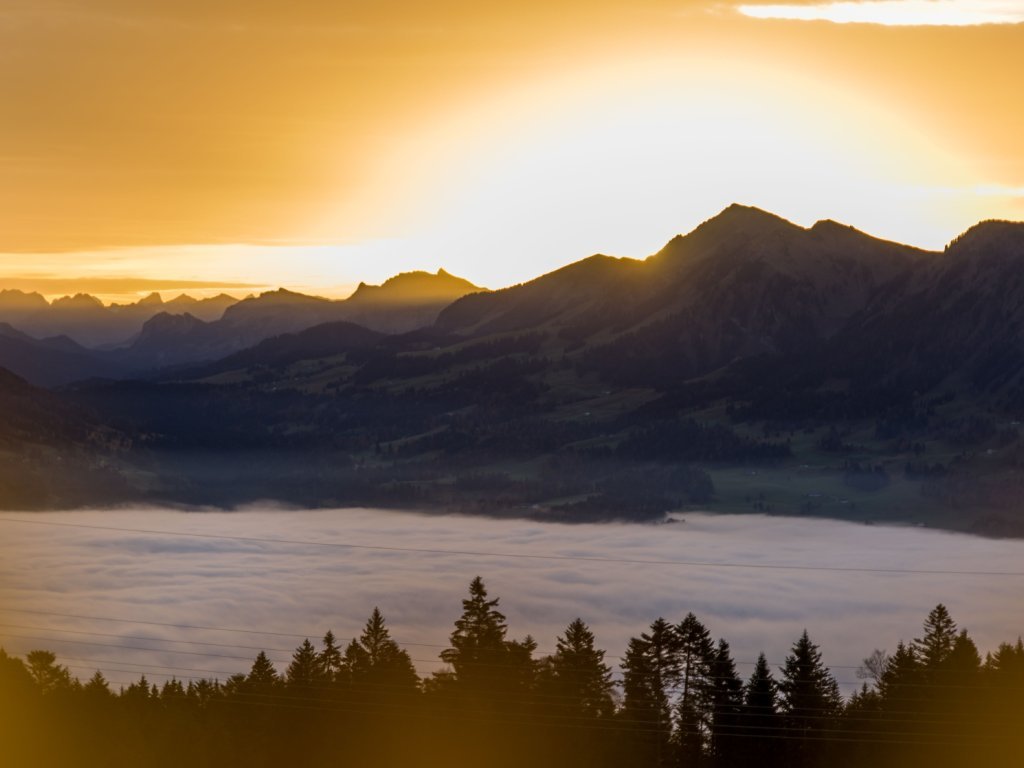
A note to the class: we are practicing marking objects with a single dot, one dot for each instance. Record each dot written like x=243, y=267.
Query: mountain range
x=154, y=334
x=89, y=322
x=750, y=364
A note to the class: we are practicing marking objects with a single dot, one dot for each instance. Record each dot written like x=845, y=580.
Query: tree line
x=678, y=702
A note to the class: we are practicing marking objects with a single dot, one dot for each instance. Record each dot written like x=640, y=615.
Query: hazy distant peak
x=284, y=296
x=165, y=322
x=14, y=299
x=152, y=299
x=78, y=301
x=416, y=286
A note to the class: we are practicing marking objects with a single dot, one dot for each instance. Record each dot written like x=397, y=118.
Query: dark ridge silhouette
x=608, y=389
x=415, y=288
x=84, y=318
x=745, y=282
x=402, y=304
x=54, y=361
x=53, y=452
x=320, y=341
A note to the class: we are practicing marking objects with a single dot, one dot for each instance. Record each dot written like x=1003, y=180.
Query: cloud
x=133, y=603
x=925, y=13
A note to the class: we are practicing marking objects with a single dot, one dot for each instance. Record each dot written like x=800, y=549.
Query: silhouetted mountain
x=85, y=319
x=583, y=295
x=54, y=361
x=318, y=342
x=744, y=283
x=209, y=310
x=19, y=301
x=401, y=304
x=959, y=320
x=620, y=387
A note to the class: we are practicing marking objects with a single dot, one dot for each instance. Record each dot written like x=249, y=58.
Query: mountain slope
x=743, y=283
x=54, y=453
x=961, y=318
x=320, y=341
x=750, y=365
x=52, y=362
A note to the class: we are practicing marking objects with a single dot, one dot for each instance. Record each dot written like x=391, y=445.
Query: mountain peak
x=830, y=224
x=749, y=218
x=152, y=299
x=165, y=323
x=284, y=296
x=78, y=301
x=416, y=286
x=15, y=299
x=734, y=228
x=992, y=234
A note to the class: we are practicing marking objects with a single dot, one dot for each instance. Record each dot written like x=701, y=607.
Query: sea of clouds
x=196, y=594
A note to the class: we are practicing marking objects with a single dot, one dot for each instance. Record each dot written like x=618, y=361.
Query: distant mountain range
x=86, y=320
x=157, y=334
x=750, y=364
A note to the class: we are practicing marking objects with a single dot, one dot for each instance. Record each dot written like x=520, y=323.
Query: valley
x=749, y=366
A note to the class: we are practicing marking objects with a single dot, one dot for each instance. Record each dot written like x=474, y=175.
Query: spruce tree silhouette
x=761, y=745
x=810, y=703
x=695, y=652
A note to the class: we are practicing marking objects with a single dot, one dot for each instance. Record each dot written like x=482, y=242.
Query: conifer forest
x=675, y=698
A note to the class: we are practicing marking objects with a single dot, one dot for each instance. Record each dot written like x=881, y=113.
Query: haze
x=52, y=574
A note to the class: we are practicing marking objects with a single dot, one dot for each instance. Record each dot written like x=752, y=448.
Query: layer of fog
x=103, y=597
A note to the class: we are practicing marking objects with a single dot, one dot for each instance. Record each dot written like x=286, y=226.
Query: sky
x=165, y=593
x=314, y=144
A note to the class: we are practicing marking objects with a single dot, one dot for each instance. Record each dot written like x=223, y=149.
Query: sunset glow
x=897, y=13
x=322, y=149
x=679, y=342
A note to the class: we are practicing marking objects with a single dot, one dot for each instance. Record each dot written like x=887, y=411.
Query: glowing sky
x=314, y=144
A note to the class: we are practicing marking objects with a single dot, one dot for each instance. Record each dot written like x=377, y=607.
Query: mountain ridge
x=750, y=365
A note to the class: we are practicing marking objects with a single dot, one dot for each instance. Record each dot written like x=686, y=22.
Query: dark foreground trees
x=678, y=701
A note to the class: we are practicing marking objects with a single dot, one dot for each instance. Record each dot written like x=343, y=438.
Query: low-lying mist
x=168, y=593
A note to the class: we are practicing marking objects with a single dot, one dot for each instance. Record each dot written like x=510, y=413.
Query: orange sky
x=314, y=143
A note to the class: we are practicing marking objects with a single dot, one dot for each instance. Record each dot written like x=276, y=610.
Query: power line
x=523, y=555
